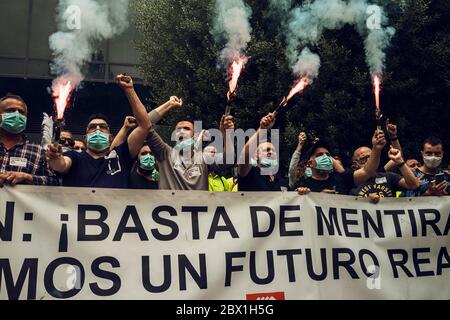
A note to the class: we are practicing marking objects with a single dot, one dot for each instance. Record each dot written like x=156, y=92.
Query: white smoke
x=308, y=22
x=308, y=64
x=231, y=24
x=82, y=24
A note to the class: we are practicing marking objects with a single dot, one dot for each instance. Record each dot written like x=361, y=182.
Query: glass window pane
x=13, y=28
x=12, y=67
x=38, y=68
x=43, y=22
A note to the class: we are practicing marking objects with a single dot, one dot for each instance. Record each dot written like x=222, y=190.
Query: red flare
x=299, y=86
x=377, y=89
x=235, y=72
x=61, y=96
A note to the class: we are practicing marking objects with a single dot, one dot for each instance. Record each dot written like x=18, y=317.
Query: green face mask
x=14, y=123
x=308, y=173
x=147, y=162
x=155, y=175
x=98, y=141
x=324, y=163
x=268, y=163
x=185, y=144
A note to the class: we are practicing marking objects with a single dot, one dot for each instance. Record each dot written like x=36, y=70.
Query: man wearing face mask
x=181, y=167
x=216, y=178
x=384, y=184
x=100, y=166
x=325, y=179
x=66, y=141
x=79, y=146
x=21, y=162
x=433, y=180
x=145, y=174
x=261, y=175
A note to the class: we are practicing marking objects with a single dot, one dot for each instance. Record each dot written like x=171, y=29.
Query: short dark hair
x=15, y=97
x=98, y=116
x=433, y=141
x=186, y=120
x=312, y=149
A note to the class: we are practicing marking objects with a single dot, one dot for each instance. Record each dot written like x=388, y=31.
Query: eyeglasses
x=101, y=126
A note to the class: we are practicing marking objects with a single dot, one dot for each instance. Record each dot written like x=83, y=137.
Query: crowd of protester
x=139, y=158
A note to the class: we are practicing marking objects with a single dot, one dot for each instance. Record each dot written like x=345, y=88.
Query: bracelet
x=401, y=165
x=394, y=139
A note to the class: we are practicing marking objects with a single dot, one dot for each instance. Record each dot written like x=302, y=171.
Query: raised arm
x=293, y=165
x=409, y=180
x=244, y=166
x=56, y=160
x=128, y=124
x=370, y=169
x=137, y=138
x=227, y=129
x=393, y=137
x=159, y=113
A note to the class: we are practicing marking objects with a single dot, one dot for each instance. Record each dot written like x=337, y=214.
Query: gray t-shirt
x=176, y=174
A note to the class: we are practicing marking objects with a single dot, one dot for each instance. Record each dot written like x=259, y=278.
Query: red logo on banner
x=266, y=296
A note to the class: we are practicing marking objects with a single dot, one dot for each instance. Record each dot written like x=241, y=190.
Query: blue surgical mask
x=147, y=162
x=185, y=144
x=268, y=163
x=98, y=141
x=324, y=163
x=14, y=122
x=253, y=162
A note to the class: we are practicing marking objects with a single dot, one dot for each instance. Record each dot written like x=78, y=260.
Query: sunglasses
x=67, y=142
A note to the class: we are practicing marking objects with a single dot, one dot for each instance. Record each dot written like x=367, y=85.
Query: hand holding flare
x=298, y=87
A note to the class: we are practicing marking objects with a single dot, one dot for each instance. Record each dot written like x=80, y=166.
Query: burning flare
x=61, y=95
x=376, y=89
x=235, y=72
x=297, y=88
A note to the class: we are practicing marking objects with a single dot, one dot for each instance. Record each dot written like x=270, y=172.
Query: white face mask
x=432, y=162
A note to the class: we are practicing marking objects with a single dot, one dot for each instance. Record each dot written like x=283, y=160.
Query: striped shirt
x=28, y=158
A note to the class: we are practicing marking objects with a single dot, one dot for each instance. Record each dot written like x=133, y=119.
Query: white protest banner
x=69, y=243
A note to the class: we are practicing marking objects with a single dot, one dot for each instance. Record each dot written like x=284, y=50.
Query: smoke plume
x=82, y=24
x=231, y=24
x=308, y=22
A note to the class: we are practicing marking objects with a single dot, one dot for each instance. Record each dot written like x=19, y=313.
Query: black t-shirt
x=337, y=183
x=254, y=181
x=137, y=181
x=385, y=184
x=111, y=171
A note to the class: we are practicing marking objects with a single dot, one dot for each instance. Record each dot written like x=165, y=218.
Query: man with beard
x=100, y=166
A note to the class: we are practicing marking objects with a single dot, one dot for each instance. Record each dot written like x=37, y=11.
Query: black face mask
x=144, y=172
